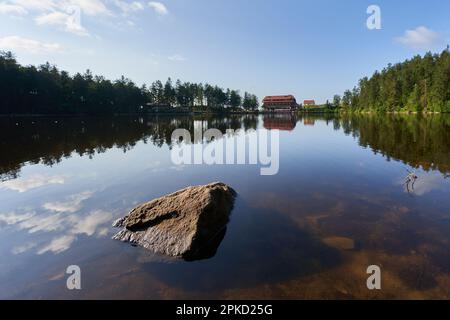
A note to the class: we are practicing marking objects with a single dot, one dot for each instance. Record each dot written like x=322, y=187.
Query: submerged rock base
x=181, y=224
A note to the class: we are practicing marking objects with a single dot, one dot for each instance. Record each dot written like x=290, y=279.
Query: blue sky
x=312, y=49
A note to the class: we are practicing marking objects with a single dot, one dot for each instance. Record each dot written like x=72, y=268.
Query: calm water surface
x=337, y=206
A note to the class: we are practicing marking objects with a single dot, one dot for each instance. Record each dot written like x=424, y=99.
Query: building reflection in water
x=281, y=121
x=309, y=122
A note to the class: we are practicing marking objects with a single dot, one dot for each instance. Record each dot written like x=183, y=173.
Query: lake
x=337, y=206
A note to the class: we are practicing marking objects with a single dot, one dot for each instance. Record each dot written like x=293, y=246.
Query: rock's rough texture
x=179, y=224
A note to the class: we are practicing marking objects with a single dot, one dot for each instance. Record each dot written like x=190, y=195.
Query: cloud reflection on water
x=58, y=245
x=426, y=183
x=23, y=248
x=65, y=219
x=73, y=204
x=32, y=182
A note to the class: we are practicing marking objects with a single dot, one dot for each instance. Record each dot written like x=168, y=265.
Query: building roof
x=287, y=98
x=309, y=102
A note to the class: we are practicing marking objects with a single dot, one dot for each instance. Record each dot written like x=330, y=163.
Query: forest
x=421, y=84
x=46, y=90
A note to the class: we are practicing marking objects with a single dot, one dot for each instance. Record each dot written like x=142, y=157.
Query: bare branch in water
x=410, y=181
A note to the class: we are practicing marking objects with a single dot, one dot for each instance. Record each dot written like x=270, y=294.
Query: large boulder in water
x=181, y=224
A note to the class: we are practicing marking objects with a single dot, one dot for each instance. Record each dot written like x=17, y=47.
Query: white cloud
x=37, y=180
x=127, y=7
x=58, y=245
x=177, y=57
x=72, y=225
x=425, y=183
x=43, y=223
x=35, y=5
x=13, y=218
x=73, y=204
x=24, y=248
x=68, y=22
x=428, y=183
x=420, y=38
x=66, y=14
x=62, y=13
x=89, y=224
x=103, y=232
x=159, y=8
x=90, y=7
x=8, y=8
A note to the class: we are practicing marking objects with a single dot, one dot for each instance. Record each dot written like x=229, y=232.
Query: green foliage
x=421, y=84
x=337, y=101
x=235, y=99
x=347, y=99
x=250, y=101
x=47, y=90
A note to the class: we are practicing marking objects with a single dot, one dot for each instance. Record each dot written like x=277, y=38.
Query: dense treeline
x=47, y=90
x=421, y=84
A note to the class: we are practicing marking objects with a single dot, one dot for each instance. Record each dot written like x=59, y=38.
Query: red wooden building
x=280, y=103
x=309, y=103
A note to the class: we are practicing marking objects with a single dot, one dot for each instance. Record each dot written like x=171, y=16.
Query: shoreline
x=69, y=115
x=341, y=111
x=396, y=112
x=193, y=113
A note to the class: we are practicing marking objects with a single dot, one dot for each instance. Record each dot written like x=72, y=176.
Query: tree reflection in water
x=417, y=140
